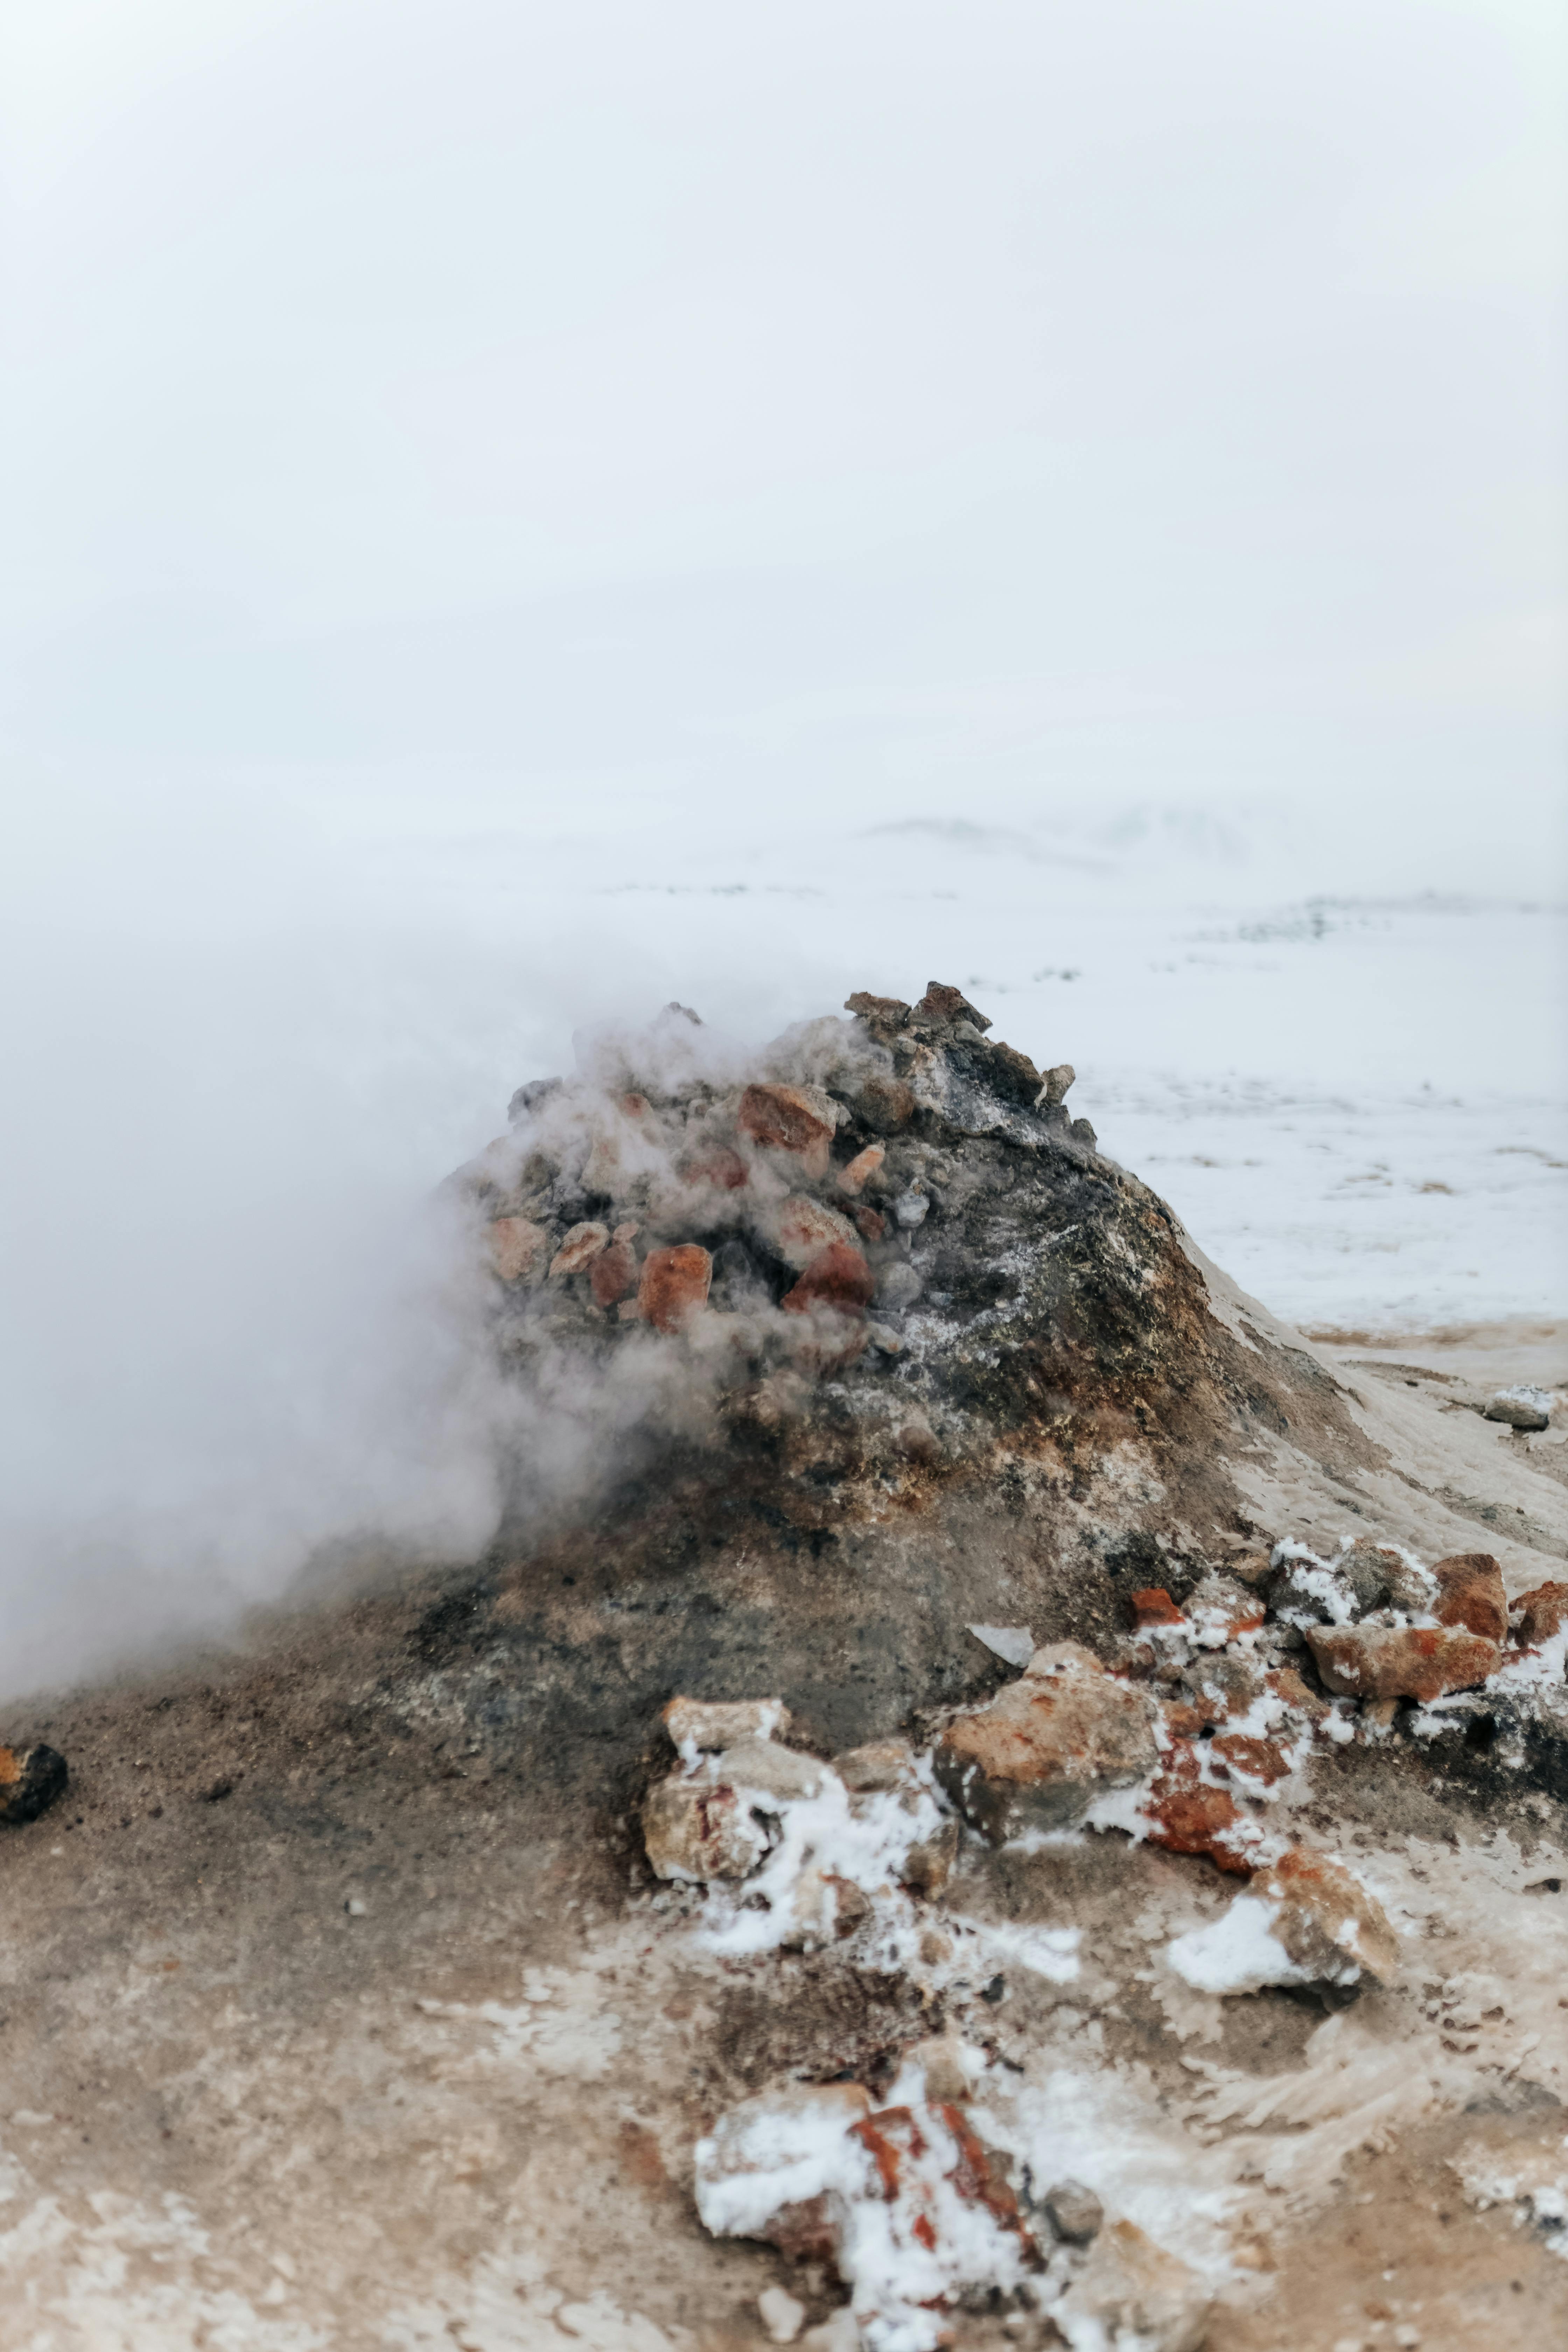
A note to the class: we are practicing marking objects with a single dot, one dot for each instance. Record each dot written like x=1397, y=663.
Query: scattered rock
x=897, y=1286
x=910, y=1208
x=823, y=1909
x=941, y=1007
x=797, y=1119
x=806, y=1227
x=30, y=1780
x=1154, y=1608
x=887, y=1104
x=881, y=1764
x=698, y=1827
x=1045, y=1748
x=947, y=2064
x=1525, y=1407
x=674, y=1285
x=1056, y=1083
x=1130, y=2292
x=1083, y=1132
x=1470, y=1593
x=1189, y=1814
x=1074, y=2212
x=861, y=1169
x=1218, y=1610
x=765, y=1770
x=722, y=1170
x=1304, y=1920
x=1016, y=1072
x=516, y=1247
x=613, y=1274
x=1401, y=1660
x=883, y=1016
x=870, y=1223
x=928, y=1865
x=837, y=1277
x=1542, y=1613
x=713, y=1724
x=582, y=1245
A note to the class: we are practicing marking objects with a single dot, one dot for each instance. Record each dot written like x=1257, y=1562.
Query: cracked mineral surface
x=986, y=1792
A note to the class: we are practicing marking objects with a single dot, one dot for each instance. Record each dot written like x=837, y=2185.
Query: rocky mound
x=859, y=1344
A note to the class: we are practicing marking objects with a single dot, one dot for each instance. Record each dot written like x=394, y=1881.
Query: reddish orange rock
x=674, y=1285
x=1401, y=1660
x=865, y=1164
x=722, y=1169
x=1470, y=1593
x=1153, y=1606
x=838, y=1277
x=1542, y=1613
x=1188, y=1816
x=1047, y=1746
x=612, y=1274
x=941, y=1004
x=870, y=1223
x=1255, y=1760
x=789, y=1118
x=582, y=1245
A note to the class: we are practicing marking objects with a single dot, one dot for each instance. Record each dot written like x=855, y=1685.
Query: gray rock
x=1082, y=1132
x=1522, y=1408
x=897, y=1286
x=910, y=1210
x=1074, y=2212
x=1056, y=1083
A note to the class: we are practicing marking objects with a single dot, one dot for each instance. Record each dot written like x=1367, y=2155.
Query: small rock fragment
x=764, y=1769
x=897, y=1286
x=942, y=2060
x=1219, y=1611
x=1470, y=1593
x=724, y=1170
x=798, y=1119
x=1131, y=2292
x=582, y=1245
x=1015, y=1073
x=928, y=1865
x=696, y=1827
x=1074, y=2212
x=1153, y=1607
x=30, y=1780
x=881, y=1764
x=1543, y=1614
x=714, y=1723
x=1055, y=1084
x=1329, y=1924
x=1525, y=1407
x=864, y=1166
x=1401, y=1660
x=837, y=1277
x=824, y=1908
x=886, y=1104
x=1015, y=1644
x=674, y=1285
x=806, y=1227
x=1083, y=1132
x=910, y=1210
x=613, y=1274
x=870, y=1223
x=1046, y=1746
x=516, y=1246
x=941, y=1007
x=1188, y=1814
x=882, y=1014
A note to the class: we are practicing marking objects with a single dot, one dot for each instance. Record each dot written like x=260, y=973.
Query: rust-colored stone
x=1153, y=1606
x=1048, y=1745
x=788, y=1118
x=1542, y=1613
x=865, y=1164
x=1470, y=1593
x=879, y=1012
x=516, y=1247
x=1327, y=1921
x=941, y=1006
x=1401, y=1660
x=837, y=1277
x=1188, y=1815
x=721, y=1168
x=806, y=1227
x=1286, y=1683
x=1254, y=1758
x=674, y=1285
x=612, y=1274
x=870, y=1224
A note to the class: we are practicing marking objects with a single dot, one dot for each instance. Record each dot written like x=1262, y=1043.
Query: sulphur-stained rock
x=1132, y=2292
x=714, y=1723
x=798, y=1119
x=516, y=1247
x=1401, y=1660
x=804, y=1228
x=1048, y=1745
x=1470, y=1593
x=30, y=1780
x=698, y=1827
x=1326, y=1920
x=1542, y=1613
x=674, y=1285
x=861, y=1169
x=837, y=1277
x=582, y=1245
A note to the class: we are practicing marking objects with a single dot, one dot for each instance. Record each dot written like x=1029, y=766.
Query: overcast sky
x=638, y=408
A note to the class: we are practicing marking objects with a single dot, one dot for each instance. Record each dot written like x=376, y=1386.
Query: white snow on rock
x=1235, y=1953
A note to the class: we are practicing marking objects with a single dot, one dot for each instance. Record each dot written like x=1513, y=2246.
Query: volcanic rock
x=674, y=1285
x=1522, y=1408
x=31, y=1781
x=1401, y=1660
x=1131, y=2292
x=1329, y=1924
x=698, y=1827
x=1470, y=1593
x=582, y=1245
x=714, y=1723
x=1542, y=1613
x=1046, y=1746
x=1074, y=2212
x=516, y=1247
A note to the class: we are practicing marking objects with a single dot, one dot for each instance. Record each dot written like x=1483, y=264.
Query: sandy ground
x=321, y=2029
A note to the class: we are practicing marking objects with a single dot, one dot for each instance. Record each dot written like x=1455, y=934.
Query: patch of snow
x=1236, y=1953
